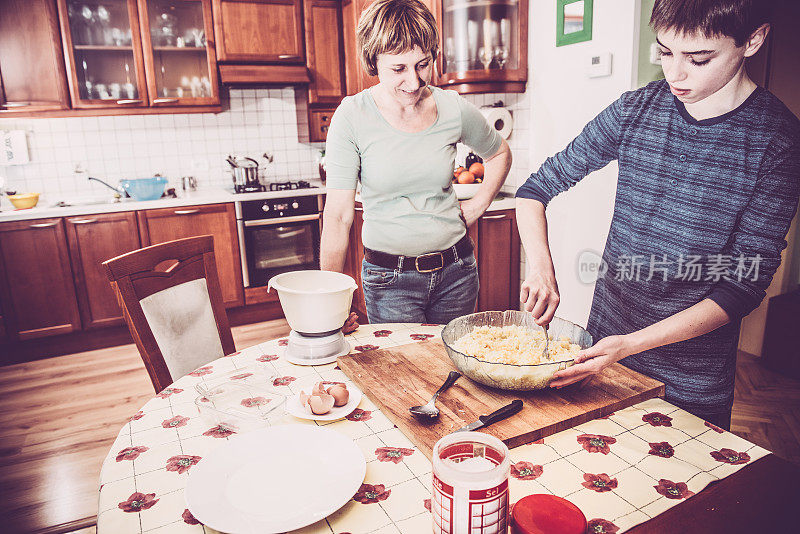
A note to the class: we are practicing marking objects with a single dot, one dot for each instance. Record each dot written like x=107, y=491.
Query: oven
x=277, y=235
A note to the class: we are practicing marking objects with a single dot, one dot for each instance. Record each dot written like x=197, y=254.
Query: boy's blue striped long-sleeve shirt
x=702, y=210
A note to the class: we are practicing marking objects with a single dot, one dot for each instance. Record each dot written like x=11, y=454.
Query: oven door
x=276, y=246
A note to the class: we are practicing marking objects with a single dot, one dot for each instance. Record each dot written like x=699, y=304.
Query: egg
x=321, y=404
x=340, y=394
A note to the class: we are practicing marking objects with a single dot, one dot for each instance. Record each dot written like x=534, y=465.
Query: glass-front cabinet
x=179, y=52
x=103, y=53
x=145, y=53
x=484, y=45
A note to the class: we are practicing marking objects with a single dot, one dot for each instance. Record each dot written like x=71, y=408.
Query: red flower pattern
x=241, y=376
x=430, y=324
x=138, y=501
x=370, y=494
x=526, y=471
x=392, y=454
x=267, y=358
x=218, y=432
x=189, y=519
x=359, y=415
x=283, y=381
x=601, y=526
x=662, y=449
x=606, y=416
x=599, y=483
x=201, y=371
x=182, y=463
x=131, y=453
x=174, y=422
x=166, y=392
x=657, y=419
x=427, y=504
x=673, y=490
x=232, y=354
x=596, y=443
x=283, y=342
x=421, y=337
x=251, y=402
x=362, y=348
x=730, y=456
x=381, y=333
x=138, y=415
x=714, y=427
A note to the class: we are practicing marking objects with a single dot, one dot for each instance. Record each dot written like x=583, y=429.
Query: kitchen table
x=652, y=460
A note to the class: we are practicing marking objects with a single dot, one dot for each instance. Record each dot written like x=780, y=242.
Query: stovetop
x=288, y=185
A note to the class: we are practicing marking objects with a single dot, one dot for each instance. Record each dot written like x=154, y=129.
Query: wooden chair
x=172, y=302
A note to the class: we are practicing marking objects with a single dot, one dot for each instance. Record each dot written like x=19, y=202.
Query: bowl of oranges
x=466, y=181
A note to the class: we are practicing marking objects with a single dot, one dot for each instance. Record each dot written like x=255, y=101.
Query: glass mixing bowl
x=505, y=375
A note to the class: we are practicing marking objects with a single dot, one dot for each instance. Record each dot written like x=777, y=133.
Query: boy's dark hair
x=733, y=18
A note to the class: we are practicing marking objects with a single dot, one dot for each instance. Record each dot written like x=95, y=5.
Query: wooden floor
x=58, y=418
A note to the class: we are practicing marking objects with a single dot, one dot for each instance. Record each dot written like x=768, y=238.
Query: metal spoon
x=545, y=352
x=429, y=410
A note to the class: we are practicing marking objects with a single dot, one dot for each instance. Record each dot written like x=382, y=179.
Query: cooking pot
x=245, y=171
x=315, y=303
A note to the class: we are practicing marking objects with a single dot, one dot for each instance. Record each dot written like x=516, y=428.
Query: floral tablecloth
x=619, y=470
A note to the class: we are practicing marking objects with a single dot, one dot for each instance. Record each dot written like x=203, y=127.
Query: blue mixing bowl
x=145, y=188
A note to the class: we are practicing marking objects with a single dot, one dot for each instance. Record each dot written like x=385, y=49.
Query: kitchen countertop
x=203, y=196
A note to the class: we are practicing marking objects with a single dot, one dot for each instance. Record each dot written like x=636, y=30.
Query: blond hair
x=395, y=26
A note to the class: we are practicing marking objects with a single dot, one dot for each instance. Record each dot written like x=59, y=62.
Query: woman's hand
x=593, y=360
x=539, y=293
x=351, y=324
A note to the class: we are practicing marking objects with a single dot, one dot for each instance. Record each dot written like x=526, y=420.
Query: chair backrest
x=172, y=301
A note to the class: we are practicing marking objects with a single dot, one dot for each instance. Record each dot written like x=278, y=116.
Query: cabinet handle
x=324, y=118
x=288, y=56
x=44, y=225
x=494, y=217
x=129, y=101
x=164, y=100
x=16, y=104
x=84, y=221
x=324, y=128
x=185, y=212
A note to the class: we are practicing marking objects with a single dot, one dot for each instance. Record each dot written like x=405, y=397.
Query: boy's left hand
x=593, y=360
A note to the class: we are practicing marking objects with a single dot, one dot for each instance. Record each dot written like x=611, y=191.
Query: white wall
x=562, y=100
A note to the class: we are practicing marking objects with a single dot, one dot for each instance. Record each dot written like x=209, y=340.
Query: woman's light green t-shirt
x=410, y=207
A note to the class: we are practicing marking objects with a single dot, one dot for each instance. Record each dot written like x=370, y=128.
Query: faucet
x=117, y=191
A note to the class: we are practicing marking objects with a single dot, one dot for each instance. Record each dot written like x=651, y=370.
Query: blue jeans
x=409, y=296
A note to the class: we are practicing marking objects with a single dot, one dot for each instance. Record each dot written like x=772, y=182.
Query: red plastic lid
x=547, y=514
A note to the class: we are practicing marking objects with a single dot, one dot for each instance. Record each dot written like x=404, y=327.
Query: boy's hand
x=539, y=293
x=593, y=360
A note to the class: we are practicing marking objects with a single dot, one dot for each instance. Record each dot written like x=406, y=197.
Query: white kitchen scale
x=315, y=350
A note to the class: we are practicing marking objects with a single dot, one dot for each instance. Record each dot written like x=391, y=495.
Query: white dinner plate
x=275, y=479
x=293, y=407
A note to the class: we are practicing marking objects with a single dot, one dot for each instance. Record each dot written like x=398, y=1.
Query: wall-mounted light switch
x=599, y=65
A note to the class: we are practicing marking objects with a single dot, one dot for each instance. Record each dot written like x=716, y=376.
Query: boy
x=709, y=178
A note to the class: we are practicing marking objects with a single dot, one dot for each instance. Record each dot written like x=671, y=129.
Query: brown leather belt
x=426, y=263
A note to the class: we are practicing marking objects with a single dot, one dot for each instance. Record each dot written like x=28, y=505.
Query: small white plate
x=293, y=407
x=275, y=479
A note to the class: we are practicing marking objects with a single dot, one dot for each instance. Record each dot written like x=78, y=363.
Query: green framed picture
x=573, y=21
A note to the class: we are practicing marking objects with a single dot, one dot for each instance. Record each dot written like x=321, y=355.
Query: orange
x=466, y=177
x=476, y=169
x=458, y=171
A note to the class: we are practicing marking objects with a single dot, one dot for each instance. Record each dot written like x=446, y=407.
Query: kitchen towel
x=500, y=119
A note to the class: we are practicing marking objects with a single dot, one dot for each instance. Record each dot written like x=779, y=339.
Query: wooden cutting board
x=396, y=378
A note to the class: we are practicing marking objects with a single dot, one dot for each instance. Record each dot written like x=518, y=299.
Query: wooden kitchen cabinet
x=260, y=41
x=166, y=224
x=497, y=251
x=36, y=279
x=92, y=240
x=32, y=73
x=356, y=78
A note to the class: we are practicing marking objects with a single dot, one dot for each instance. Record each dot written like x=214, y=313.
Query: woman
x=398, y=139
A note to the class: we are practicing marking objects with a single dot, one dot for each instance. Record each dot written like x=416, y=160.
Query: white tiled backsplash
x=176, y=145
